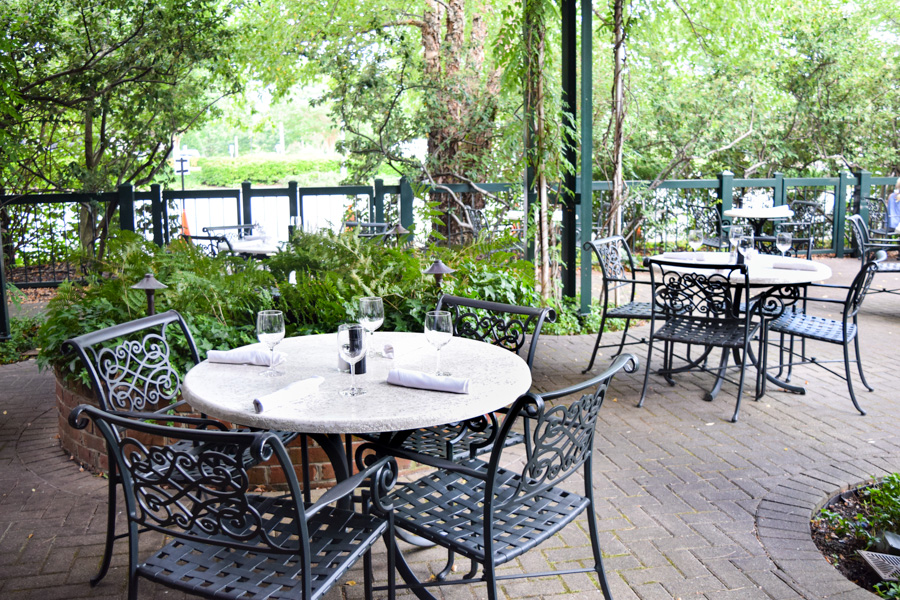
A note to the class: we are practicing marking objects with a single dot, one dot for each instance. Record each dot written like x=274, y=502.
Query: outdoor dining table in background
x=778, y=280
x=757, y=216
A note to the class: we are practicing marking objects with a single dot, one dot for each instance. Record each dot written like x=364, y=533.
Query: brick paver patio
x=690, y=505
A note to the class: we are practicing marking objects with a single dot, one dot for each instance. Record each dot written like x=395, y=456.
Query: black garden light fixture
x=150, y=284
x=397, y=231
x=439, y=269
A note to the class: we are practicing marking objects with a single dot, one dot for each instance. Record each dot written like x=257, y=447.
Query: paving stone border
x=782, y=521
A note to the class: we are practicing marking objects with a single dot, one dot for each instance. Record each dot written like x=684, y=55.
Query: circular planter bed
x=89, y=449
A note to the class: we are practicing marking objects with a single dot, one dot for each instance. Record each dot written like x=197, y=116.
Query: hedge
x=226, y=172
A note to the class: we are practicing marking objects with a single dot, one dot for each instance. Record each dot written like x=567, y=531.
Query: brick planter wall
x=89, y=448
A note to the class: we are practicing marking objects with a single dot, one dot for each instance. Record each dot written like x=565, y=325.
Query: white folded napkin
x=800, y=265
x=425, y=381
x=387, y=351
x=248, y=355
x=288, y=394
x=687, y=256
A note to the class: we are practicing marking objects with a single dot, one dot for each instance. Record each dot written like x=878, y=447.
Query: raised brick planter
x=89, y=448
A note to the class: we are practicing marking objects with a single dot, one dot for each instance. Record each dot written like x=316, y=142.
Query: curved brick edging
x=89, y=448
x=782, y=521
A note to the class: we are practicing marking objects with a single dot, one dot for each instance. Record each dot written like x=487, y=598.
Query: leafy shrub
x=22, y=333
x=224, y=172
x=879, y=512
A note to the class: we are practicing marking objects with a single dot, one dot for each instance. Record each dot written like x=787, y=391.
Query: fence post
x=840, y=212
x=861, y=192
x=725, y=193
x=778, y=191
x=246, y=218
x=4, y=309
x=406, y=204
x=292, y=209
x=126, y=207
x=379, y=201
x=156, y=213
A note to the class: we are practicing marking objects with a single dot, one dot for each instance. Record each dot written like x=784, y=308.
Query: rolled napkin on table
x=425, y=381
x=249, y=355
x=288, y=394
x=687, y=256
x=387, y=351
x=800, y=265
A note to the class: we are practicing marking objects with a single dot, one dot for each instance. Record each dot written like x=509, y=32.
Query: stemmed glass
x=695, y=239
x=351, y=338
x=745, y=245
x=734, y=237
x=270, y=331
x=438, y=332
x=783, y=242
x=371, y=316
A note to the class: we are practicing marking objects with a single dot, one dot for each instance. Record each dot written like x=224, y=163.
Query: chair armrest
x=346, y=487
x=200, y=422
x=629, y=362
x=830, y=285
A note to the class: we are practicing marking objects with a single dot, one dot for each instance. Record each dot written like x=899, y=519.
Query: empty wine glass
x=371, y=316
x=695, y=239
x=270, y=331
x=783, y=242
x=438, y=332
x=745, y=245
x=734, y=237
x=351, y=338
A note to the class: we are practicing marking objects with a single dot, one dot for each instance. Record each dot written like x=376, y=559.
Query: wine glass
x=783, y=242
x=695, y=239
x=734, y=237
x=270, y=331
x=351, y=338
x=745, y=245
x=371, y=316
x=438, y=331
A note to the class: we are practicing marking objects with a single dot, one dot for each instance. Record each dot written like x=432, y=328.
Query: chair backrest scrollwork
x=131, y=366
x=704, y=292
x=505, y=325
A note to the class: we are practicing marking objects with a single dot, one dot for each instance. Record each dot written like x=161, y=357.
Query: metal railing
x=148, y=212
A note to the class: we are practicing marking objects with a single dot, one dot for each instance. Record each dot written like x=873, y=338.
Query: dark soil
x=841, y=551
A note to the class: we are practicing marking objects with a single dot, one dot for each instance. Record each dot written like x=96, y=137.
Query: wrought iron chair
x=843, y=331
x=868, y=246
x=493, y=514
x=700, y=306
x=210, y=244
x=224, y=542
x=878, y=217
x=614, y=257
x=132, y=371
x=708, y=220
x=505, y=325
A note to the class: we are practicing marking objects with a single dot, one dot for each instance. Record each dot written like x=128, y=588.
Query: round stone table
x=497, y=377
x=765, y=270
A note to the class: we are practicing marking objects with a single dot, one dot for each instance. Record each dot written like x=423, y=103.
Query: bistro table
x=759, y=216
x=781, y=278
x=226, y=391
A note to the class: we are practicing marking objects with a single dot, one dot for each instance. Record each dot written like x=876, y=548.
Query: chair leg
x=110, y=525
x=490, y=578
x=448, y=567
x=624, y=335
x=859, y=363
x=646, y=372
x=849, y=378
x=597, y=342
x=367, y=573
x=595, y=547
x=737, y=406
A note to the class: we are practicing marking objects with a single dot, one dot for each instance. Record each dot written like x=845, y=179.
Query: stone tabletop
x=497, y=377
x=765, y=269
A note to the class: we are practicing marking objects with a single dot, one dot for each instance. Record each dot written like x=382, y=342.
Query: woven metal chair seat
x=446, y=506
x=632, y=310
x=433, y=441
x=221, y=571
x=708, y=333
x=816, y=328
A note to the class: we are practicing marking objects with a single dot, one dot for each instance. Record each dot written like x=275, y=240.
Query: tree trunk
x=618, y=187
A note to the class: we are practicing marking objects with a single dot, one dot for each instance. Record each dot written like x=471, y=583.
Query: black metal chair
x=133, y=372
x=210, y=244
x=492, y=514
x=619, y=273
x=223, y=542
x=505, y=325
x=700, y=305
x=843, y=331
x=708, y=220
x=868, y=246
x=878, y=217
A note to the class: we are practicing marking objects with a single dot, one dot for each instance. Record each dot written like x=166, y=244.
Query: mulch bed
x=841, y=552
